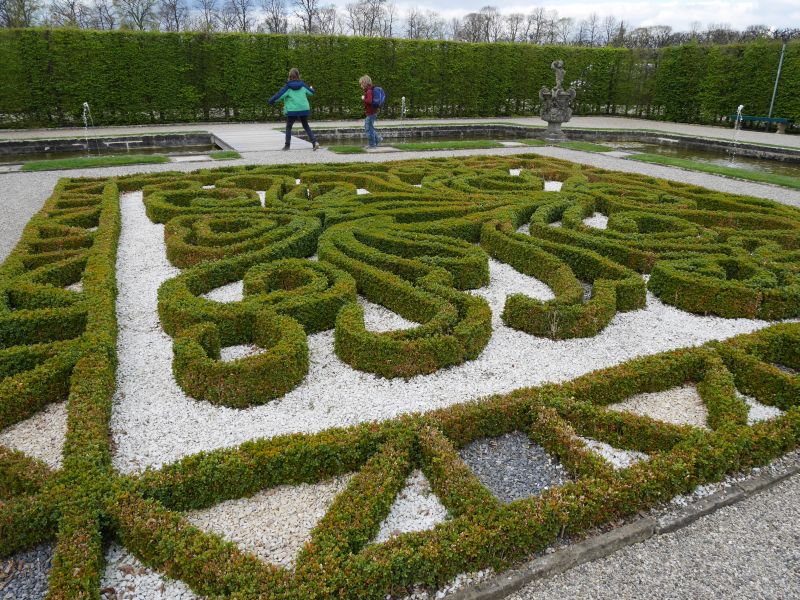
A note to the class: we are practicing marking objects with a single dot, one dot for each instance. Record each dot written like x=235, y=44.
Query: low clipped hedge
x=281, y=364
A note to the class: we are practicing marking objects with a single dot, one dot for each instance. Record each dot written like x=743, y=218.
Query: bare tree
x=69, y=13
x=492, y=24
x=239, y=14
x=102, y=15
x=307, y=11
x=275, y=16
x=136, y=14
x=563, y=30
x=207, y=17
x=327, y=21
x=19, y=13
x=173, y=15
x=515, y=27
x=424, y=26
x=389, y=18
x=589, y=31
x=535, y=23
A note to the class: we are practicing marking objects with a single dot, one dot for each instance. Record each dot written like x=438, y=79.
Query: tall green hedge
x=144, y=77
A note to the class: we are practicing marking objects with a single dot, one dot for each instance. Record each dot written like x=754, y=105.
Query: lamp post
x=785, y=36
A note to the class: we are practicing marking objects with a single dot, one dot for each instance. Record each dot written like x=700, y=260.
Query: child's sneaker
x=285, y=148
x=316, y=146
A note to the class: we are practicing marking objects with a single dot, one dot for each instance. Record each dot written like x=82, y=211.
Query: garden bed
x=372, y=341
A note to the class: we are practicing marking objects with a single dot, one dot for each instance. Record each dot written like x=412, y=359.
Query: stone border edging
x=605, y=544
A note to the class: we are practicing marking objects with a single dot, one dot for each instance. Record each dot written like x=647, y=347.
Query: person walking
x=370, y=112
x=295, y=106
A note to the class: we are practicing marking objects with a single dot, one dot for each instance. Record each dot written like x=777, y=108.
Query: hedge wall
x=147, y=77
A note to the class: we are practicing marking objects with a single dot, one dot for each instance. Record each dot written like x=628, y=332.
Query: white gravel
x=262, y=198
x=154, y=422
x=231, y=353
x=40, y=436
x=758, y=411
x=131, y=580
x=514, y=172
x=361, y=191
x=231, y=292
x=75, y=287
x=619, y=458
x=416, y=508
x=274, y=524
x=505, y=280
x=379, y=318
x=597, y=220
x=680, y=405
x=553, y=186
x=555, y=224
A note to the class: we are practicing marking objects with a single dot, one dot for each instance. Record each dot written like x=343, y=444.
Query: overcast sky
x=677, y=13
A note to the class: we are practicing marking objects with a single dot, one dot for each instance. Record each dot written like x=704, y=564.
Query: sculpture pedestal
x=554, y=132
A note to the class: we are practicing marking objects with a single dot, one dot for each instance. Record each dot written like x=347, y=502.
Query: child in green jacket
x=295, y=106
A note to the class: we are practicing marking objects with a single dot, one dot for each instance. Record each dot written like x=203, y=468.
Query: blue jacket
x=295, y=98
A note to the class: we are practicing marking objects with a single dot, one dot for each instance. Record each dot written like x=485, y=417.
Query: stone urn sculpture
x=556, y=103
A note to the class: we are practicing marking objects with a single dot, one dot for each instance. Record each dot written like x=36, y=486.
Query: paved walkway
x=747, y=550
x=262, y=136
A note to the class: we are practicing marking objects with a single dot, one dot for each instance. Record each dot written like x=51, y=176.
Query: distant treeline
x=150, y=77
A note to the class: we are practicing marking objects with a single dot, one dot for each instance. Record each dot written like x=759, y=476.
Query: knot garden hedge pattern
x=415, y=243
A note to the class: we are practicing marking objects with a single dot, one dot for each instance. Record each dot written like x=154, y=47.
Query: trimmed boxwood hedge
x=413, y=250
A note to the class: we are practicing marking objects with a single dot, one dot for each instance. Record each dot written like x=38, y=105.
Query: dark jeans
x=304, y=121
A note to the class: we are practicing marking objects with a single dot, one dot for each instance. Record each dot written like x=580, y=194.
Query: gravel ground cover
x=619, y=458
x=379, y=318
x=231, y=353
x=41, y=436
x=747, y=550
x=682, y=406
x=24, y=576
x=416, y=508
x=154, y=422
x=126, y=578
x=512, y=466
x=757, y=411
x=596, y=220
x=273, y=524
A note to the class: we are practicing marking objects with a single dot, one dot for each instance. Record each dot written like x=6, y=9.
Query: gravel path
x=126, y=578
x=680, y=405
x=273, y=524
x=512, y=466
x=154, y=422
x=747, y=550
x=41, y=436
x=416, y=508
x=24, y=575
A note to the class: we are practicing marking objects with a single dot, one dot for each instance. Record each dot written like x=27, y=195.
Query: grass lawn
x=347, y=149
x=683, y=163
x=585, y=146
x=225, y=155
x=93, y=161
x=454, y=145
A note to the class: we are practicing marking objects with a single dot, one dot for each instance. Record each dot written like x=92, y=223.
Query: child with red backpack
x=373, y=98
